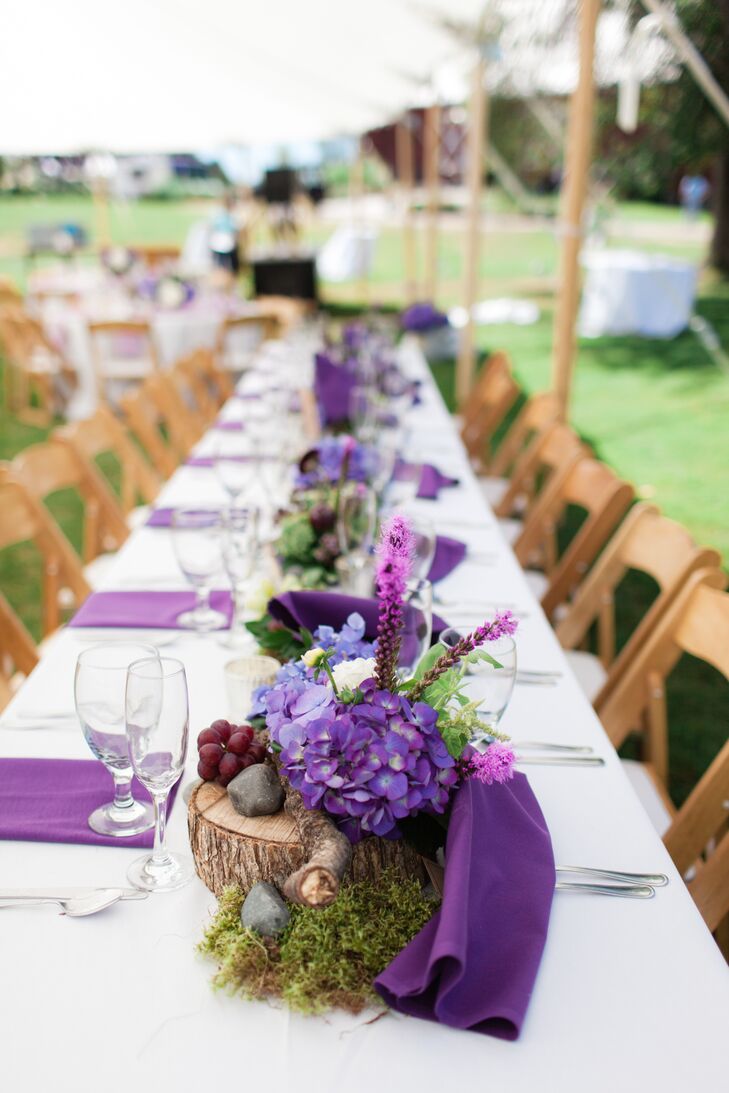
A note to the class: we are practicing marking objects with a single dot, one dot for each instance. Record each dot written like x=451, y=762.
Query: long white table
x=630, y=995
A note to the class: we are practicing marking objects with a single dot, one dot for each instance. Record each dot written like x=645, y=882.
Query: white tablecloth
x=630, y=995
x=631, y=292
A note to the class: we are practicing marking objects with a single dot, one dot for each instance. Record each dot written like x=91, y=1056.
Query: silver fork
x=560, y=761
x=623, y=891
x=655, y=880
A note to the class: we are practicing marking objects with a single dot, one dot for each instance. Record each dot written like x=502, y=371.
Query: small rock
x=256, y=791
x=263, y=910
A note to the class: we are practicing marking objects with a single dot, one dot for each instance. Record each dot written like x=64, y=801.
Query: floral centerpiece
x=308, y=538
x=369, y=748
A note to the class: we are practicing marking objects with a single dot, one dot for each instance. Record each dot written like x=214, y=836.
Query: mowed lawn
x=656, y=411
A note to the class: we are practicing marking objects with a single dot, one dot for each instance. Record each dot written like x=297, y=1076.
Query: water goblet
x=356, y=518
x=99, y=686
x=196, y=541
x=157, y=726
x=240, y=539
x=417, y=624
x=488, y=684
x=403, y=488
x=424, y=550
x=233, y=464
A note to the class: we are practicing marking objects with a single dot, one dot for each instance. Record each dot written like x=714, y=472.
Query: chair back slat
x=537, y=412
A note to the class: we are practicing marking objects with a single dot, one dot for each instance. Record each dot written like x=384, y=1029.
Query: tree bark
x=720, y=238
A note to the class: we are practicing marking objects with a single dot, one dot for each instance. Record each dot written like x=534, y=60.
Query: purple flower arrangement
x=369, y=748
x=334, y=459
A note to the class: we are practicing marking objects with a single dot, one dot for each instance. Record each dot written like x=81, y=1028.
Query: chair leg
x=657, y=726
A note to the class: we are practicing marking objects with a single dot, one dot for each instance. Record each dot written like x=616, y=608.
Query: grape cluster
x=225, y=750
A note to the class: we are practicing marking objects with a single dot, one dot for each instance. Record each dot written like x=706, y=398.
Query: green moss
x=325, y=959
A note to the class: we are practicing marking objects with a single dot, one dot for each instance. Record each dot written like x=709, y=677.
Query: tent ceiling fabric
x=166, y=75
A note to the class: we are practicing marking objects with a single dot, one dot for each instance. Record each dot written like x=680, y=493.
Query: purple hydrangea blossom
x=368, y=765
x=323, y=464
x=346, y=644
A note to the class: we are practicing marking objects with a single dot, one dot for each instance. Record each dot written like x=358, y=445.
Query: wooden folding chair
x=123, y=353
x=495, y=393
x=18, y=653
x=182, y=427
x=550, y=453
x=193, y=392
x=650, y=543
x=103, y=434
x=240, y=337
x=38, y=380
x=155, y=255
x=52, y=465
x=193, y=371
x=696, y=836
x=594, y=488
x=24, y=519
x=150, y=426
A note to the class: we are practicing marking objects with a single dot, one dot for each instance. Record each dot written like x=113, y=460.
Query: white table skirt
x=630, y=995
x=632, y=292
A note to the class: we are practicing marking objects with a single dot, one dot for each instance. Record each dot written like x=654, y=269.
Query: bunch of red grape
x=225, y=750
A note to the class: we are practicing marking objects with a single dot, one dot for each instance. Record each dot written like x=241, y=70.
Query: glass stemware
x=488, y=685
x=404, y=486
x=99, y=687
x=424, y=552
x=233, y=462
x=356, y=518
x=417, y=626
x=240, y=539
x=157, y=725
x=197, y=543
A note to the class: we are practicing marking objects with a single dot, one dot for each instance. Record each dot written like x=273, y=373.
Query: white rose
x=350, y=673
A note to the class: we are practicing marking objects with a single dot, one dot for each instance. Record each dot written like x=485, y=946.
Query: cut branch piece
x=328, y=854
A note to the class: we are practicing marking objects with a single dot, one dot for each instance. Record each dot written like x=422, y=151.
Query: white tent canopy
x=166, y=75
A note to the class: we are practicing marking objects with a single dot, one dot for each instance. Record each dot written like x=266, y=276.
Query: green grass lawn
x=656, y=411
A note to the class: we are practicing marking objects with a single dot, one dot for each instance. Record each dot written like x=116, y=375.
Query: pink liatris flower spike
x=496, y=764
x=395, y=553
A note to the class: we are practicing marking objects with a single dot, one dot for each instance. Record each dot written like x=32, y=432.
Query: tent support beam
x=405, y=166
x=431, y=152
x=475, y=165
x=574, y=191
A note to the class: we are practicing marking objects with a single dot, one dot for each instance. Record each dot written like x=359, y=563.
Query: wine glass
x=424, y=550
x=387, y=449
x=362, y=412
x=157, y=725
x=356, y=519
x=271, y=476
x=404, y=486
x=233, y=464
x=196, y=540
x=240, y=539
x=417, y=624
x=488, y=685
x=99, y=684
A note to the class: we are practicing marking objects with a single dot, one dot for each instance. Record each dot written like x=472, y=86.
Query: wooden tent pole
x=475, y=147
x=358, y=200
x=405, y=166
x=432, y=181
x=572, y=204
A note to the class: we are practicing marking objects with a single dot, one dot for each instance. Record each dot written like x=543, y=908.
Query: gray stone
x=256, y=791
x=263, y=910
x=189, y=789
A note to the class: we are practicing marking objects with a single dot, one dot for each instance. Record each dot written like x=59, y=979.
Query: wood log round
x=231, y=849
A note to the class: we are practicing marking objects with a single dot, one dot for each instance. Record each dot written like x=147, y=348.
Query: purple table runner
x=473, y=966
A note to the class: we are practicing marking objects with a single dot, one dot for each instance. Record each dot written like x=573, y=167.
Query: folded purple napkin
x=473, y=966
x=162, y=517
x=431, y=480
x=449, y=553
x=333, y=386
x=311, y=609
x=50, y=801
x=228, y=426
x=211, y=460
x=147, y=610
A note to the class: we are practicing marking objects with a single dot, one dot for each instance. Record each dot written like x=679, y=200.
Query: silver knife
x=65, y=892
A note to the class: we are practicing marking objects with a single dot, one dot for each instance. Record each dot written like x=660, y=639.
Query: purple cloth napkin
x=228, y=426
x=50, y=801
x=333, y=386
x=211, y=460
x=146, y=610
x=431, y=480
x=448, y=554
x=311, y=609
x=162, y=517
x=473, y=966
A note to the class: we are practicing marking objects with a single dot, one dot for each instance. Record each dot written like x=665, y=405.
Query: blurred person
x=693, y=191
x=225, y=236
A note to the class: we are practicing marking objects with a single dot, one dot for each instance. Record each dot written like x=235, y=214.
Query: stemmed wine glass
x=99, y=686
x=417, y=624
x=489, y=685
x=356, y=519
x=157, y=724
x=240, y=539
x=424, y=552
x=404, y=486
x=233, y=461
x=196, y=540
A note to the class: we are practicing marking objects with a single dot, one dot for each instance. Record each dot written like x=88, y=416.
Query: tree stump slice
x=232, y=849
